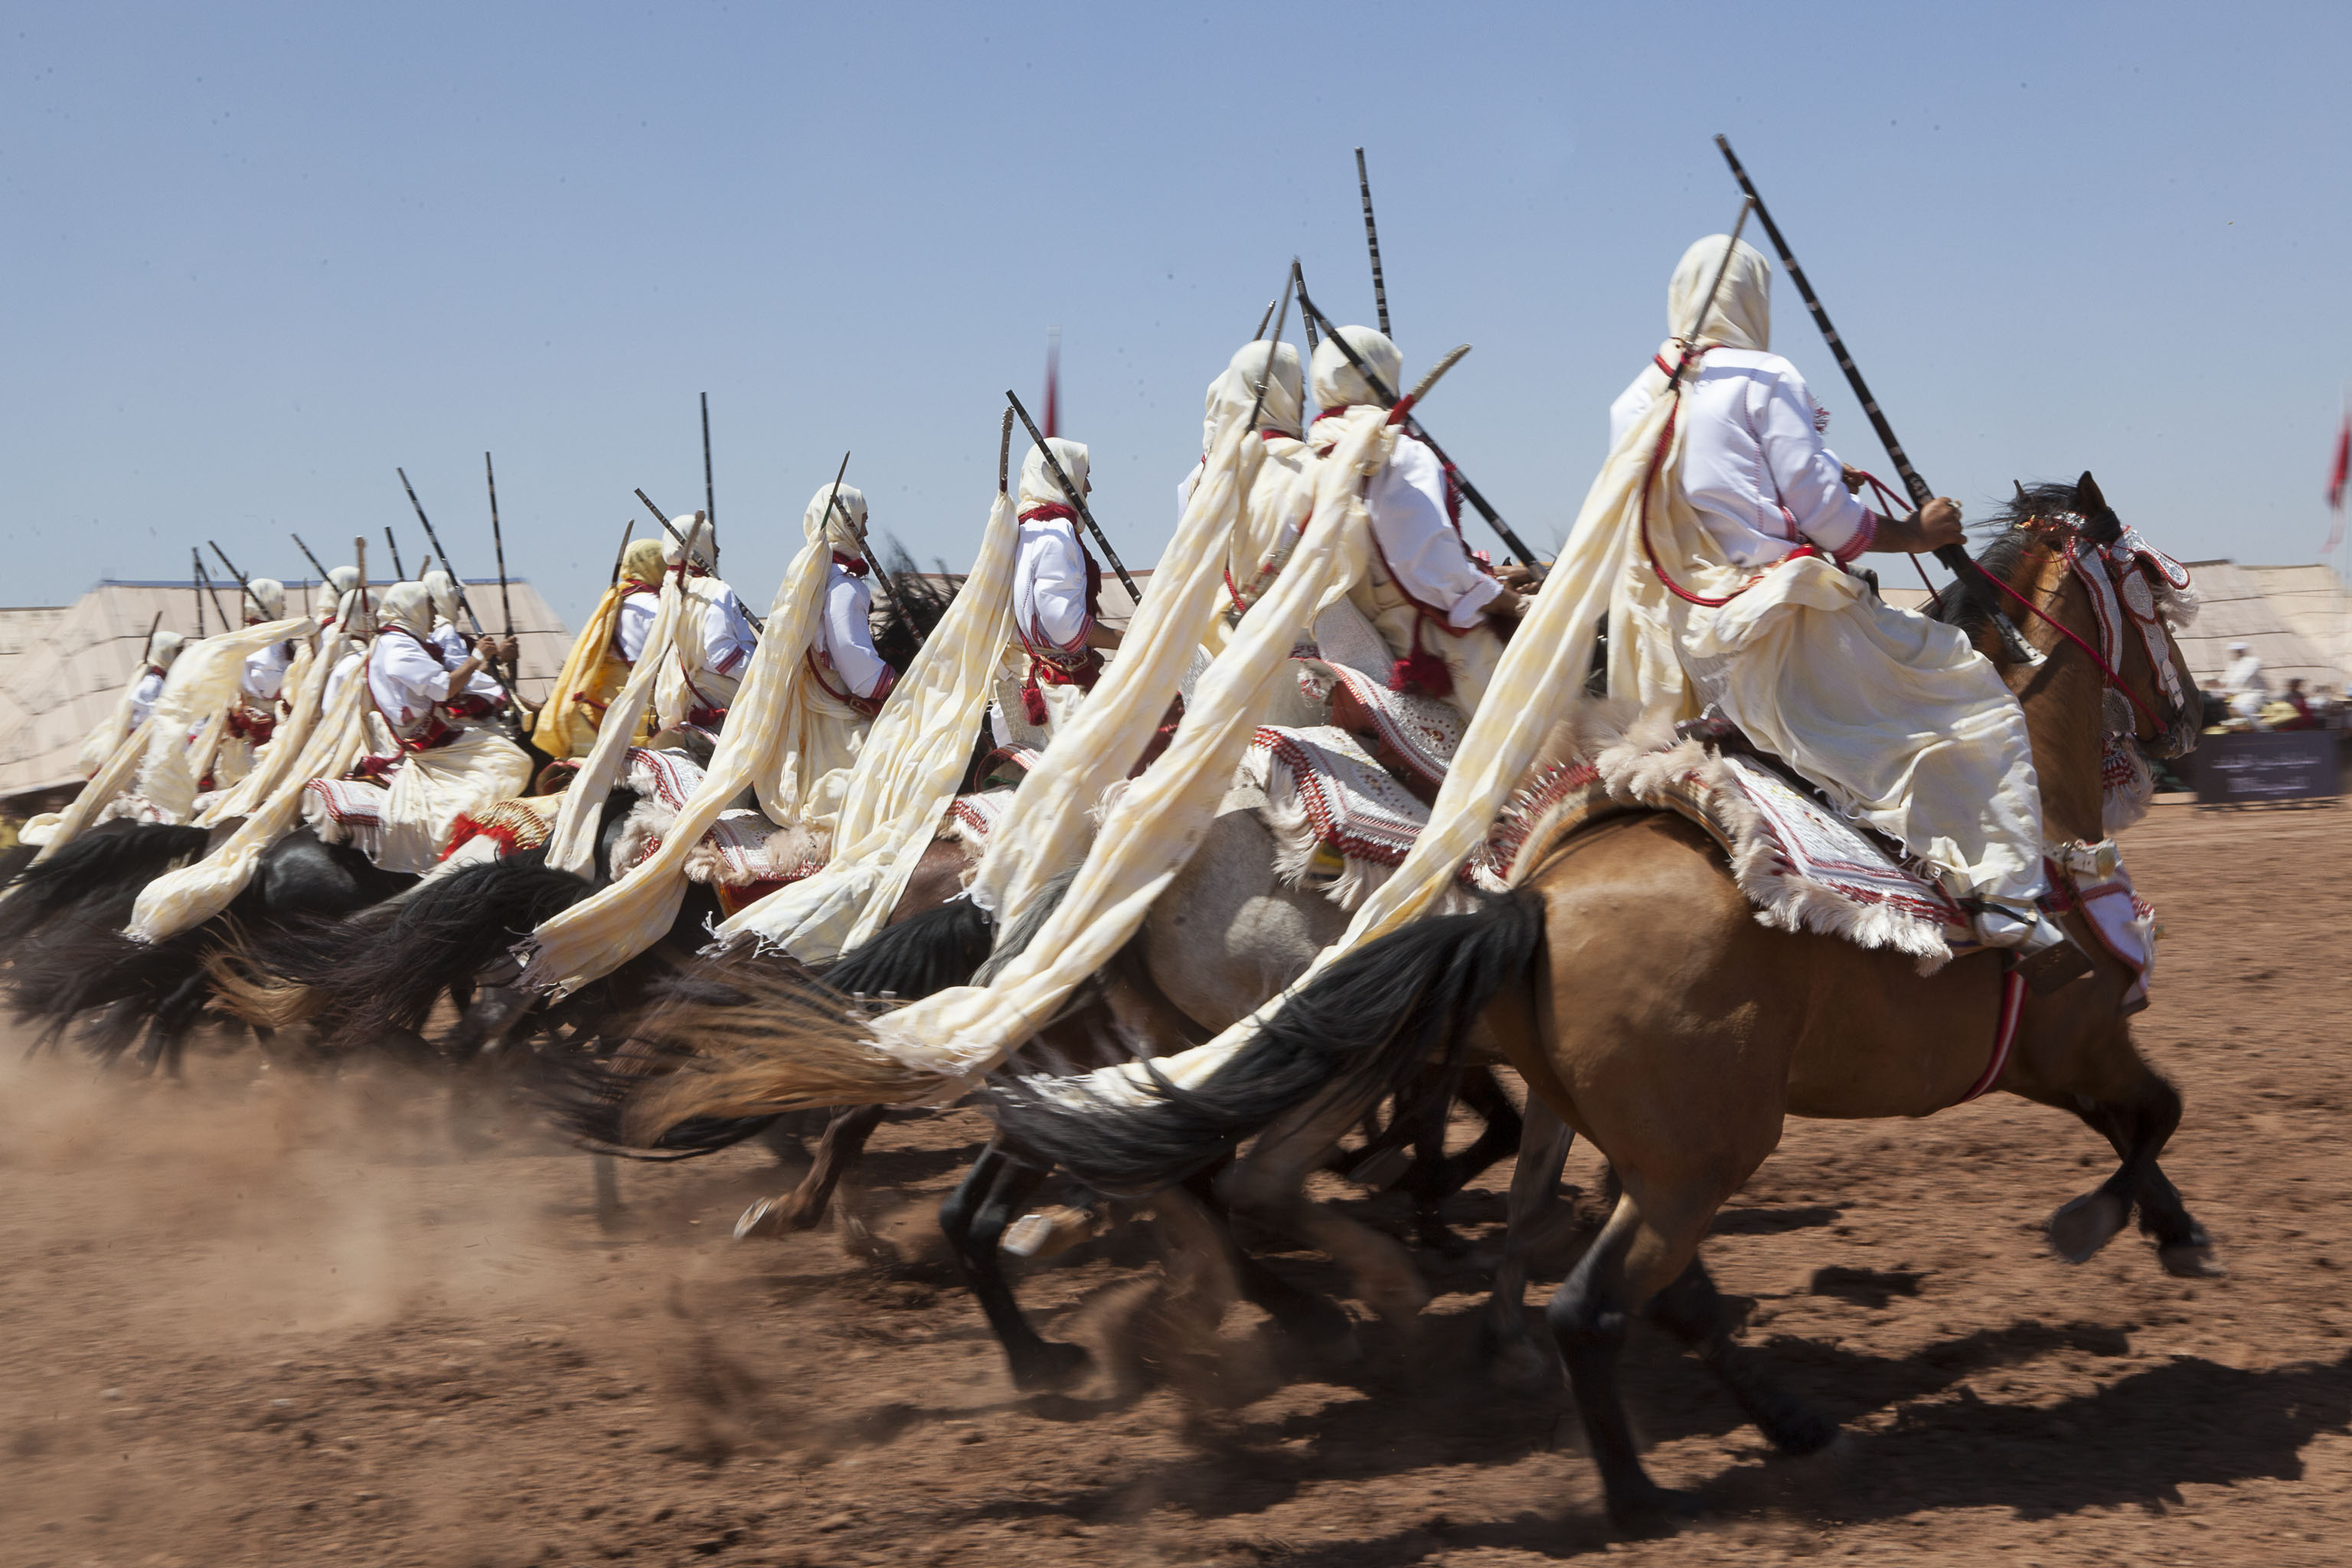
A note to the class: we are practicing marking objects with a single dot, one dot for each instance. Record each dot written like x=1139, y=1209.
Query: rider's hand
x=1939, y=524
x=1517, y=576
x=1851, y=476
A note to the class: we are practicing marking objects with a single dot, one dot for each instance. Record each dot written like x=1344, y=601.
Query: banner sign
x=2258, y=767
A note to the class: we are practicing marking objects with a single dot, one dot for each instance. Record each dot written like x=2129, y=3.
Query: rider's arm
x=849, y=637
x=1423, y=550
x=1932, y=527
x=1806, y=475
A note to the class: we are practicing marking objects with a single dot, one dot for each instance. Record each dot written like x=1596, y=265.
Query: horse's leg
x=2097, y=1074
x=1299, y=1313
x=1514, y=1358
x=805, y=1206
x=1483, y=1093
x=973, y=1218
x=1693, y=1311
x=1268, y=1186
x=608, y=1191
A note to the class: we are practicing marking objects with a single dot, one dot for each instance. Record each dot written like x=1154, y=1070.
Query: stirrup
x=2046, y=955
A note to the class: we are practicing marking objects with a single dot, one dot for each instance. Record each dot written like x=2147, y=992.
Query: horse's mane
x=905, y=619
x=2011, y=532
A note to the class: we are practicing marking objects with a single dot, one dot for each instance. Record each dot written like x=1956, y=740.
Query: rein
x=2115, y=678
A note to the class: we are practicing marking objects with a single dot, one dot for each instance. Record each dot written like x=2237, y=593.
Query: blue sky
x=258, y=255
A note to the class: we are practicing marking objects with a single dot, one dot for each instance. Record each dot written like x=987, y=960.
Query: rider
x=482, y=696
x=607, y=648
x=840, y=655
x=1740, y=601
x=1282, y=493
x=445, y=764
x=1056, y=591
x=714, y=642
x=1434, y=604
x=253, y=717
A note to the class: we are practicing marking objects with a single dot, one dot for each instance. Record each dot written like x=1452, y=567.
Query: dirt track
x=268, y=1320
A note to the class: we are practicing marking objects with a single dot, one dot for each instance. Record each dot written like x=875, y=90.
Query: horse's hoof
x=1520, y=1365
x=1797, y=1429
x=2190, y=1260
x=1650, y=1509
x=2080, y=1228
x=759, y=1219
x=1050, y=1366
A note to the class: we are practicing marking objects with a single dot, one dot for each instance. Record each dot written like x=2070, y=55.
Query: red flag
x=2336, y=474
x=1053, y=387
x=2336, y=477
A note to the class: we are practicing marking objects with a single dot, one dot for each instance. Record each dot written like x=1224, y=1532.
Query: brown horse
x=1630, y=983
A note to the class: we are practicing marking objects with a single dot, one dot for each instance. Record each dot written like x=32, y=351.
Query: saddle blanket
x=1342, y=823
x=346, y=811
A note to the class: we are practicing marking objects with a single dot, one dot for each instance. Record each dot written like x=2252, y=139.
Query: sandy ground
x=267, y=1319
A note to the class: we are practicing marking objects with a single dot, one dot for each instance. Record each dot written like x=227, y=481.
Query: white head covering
x=840, y=533
x=163, y=648
x=1232, y=393
x=354, y=621
x=407, y=606
x=1742, y=315
x=342, y=579
x=1037, y=486
x=1337, y=384
x=443, y=589
x=687, y=525
x=269, y=601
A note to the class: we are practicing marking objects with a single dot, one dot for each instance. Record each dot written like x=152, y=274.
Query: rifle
x=1372, y=240
x=709, y=497
x=148, y=646
x=1298, y=277
x=1077, y=501
x=242, y=580
x=1266, y=379
x=359, y=553
x=398, y=571
x=1004, y=453
x=881, y=576
x=314, y=560
x=628, y=526
x=456, y=583
x=1380, y=390
x=1956, y=558
x=499, y=545
x=196, y=559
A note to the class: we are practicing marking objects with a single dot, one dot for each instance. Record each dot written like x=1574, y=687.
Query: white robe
x=1753, y=463
x=845, y=637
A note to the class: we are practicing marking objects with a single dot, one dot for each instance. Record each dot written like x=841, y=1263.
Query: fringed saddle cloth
x=1341, y=824
x=742, y=853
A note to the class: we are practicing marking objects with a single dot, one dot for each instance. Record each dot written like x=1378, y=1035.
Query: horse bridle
x=2119, y=591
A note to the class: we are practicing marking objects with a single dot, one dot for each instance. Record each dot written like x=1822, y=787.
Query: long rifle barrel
x=1053, y=465
x=1955, y=557
x=628, y=528
x=399, y=570
x=242, y=580
x=464, y=602
x=1372, y=241
x=506, y=601
x=709, y=495
x=314, y=560
x=1381, y=390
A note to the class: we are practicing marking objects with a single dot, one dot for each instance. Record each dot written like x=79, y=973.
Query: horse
x=153, y=995
x=1629, y=981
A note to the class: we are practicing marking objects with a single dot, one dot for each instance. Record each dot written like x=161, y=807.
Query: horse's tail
x=1362, y=1027
x=745, y=1035
x=379, y=972
x=91, y=871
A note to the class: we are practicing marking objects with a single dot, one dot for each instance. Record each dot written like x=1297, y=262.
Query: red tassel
x=1033, y=703
x=1422, y=673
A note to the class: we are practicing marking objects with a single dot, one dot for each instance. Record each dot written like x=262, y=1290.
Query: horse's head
x=2100, y=606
